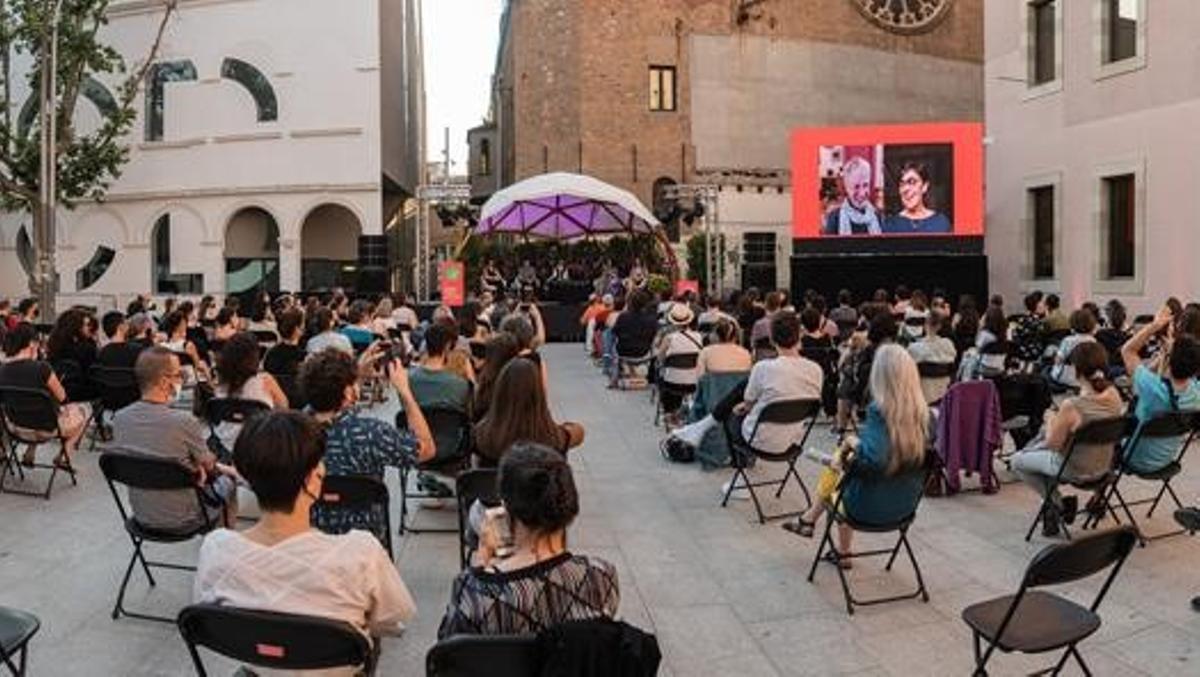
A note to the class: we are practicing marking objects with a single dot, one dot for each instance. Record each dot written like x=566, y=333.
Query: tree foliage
x=87, y=164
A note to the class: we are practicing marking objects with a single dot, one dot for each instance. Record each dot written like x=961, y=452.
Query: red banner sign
x=684, y=286
x=452, y=280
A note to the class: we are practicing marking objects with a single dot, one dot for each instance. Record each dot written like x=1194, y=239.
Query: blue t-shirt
x=900, y=224
x=1154, y=398
x=360, y=337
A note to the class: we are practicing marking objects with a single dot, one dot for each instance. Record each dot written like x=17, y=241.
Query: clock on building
x=904, y=16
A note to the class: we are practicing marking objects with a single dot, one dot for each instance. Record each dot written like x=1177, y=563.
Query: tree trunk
x=43, y=277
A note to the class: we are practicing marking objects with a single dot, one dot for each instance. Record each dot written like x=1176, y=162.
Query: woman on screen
x=915, y=216
x=856, y=216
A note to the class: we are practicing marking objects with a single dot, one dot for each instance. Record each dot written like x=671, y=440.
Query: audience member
x=1056, y=320
x=324, y=335
x=119, y=352
x=1083, y=330
x=725, y=354
x=23, y=369
x=358, y=326
x=1028, y=331
x=283, y=564
x=174, y=326
x=227, y=324
x=892, y=441
x=433, y=383
x=239, y=376
x=933, y=348
x=151, y=426
x=72, y=353
x=520, y=413
x=634, y=330
x=1038, y=465
x=356, y=444
x=501, y=348
x=530, y=582
x=677, y=339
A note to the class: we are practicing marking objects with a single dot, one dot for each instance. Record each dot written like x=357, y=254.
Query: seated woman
x=1083, y=330
x=532, y=582
x=23, y=369
x=239, y=376
x=726, y=353
x=501, y=349
x=283, y=564
x=677, y=339
x=519, y=413
x=1039, y=463
x=69, y=343
x=227, y=324
x=634, y=331
x=892, y=439
x=175, y=326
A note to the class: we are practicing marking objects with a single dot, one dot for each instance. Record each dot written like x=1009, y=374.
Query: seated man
x=150, y=426
x=1177, y=390
x=358, y=328
x=934, y=348
x=359, y=445
x=788, y=376
x=119, y=352
x=433, y=384
x=281, y=563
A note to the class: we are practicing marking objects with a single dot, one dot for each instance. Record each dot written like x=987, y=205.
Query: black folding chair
x=827, y=359
x=265, y=337
x=30, y=417
x=491, y=655
x=74, y=380
x=1024, y=399
x=232, y=410
x=473, y=485
x=451, y=430
x=1168, y=425
x=118, y=388
x=902, y=493
x=141, y=472
x=1035, y=622
x=16, y=629
x=627, y=366
x=1102, y=432
x=680, y=362
x=783, y=412
x=359, y=493
x=273, y=640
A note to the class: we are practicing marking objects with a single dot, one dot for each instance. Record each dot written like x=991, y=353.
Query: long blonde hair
x=896, y=389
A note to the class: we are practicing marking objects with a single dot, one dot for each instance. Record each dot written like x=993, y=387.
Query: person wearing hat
x=678, y=338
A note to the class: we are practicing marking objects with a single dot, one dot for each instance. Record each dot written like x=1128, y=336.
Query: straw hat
x=680, y=315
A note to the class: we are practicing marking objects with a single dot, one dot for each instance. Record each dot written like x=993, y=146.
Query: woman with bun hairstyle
x=524, y=578
x=1038, y=464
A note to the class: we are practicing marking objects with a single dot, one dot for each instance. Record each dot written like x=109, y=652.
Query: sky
x=460, y=50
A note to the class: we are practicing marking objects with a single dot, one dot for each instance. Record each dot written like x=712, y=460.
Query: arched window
x=95, y=269
x=160, y=74
x=93, y=90
x=257, y=84
x=25, y=250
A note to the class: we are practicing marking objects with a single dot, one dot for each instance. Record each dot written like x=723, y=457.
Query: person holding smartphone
x=523, y=578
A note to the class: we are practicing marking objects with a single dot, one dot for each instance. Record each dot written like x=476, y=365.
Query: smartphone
x=496, y=519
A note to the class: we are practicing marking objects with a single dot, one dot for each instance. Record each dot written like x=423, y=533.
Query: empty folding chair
x=1106, y=433
x=873, y=502
x=1176, y=425
x=491, y=655
x=782, y=412
x=1036, y=622
x=140, y=472
x=118, y=388
x=273, y=640
x=473, y=485
x=359, y=494
x=451, y=430
x=16, y=629
x=30, y=418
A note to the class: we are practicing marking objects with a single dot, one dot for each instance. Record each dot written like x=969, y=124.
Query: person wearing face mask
x=282, y=563
x=152, y=427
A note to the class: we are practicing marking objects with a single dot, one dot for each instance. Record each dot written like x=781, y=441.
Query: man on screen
x=915, y=216
x=856, y=216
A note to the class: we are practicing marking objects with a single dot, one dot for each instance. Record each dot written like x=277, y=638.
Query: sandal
x=800, y=527
x=843, y=563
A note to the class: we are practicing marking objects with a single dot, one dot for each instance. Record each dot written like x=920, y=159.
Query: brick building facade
x=571, y=89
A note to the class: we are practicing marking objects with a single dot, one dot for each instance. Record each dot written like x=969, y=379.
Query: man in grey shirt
x=150, y=426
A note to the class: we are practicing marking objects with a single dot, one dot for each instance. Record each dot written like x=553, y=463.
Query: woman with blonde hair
x=893, y=438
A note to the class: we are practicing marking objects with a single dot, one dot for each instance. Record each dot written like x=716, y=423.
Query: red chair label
x=270, y=650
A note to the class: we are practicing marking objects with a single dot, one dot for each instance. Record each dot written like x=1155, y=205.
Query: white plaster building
x=271, y=135
x=1092, y=182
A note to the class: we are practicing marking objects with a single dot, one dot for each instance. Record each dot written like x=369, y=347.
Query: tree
x=61, y=38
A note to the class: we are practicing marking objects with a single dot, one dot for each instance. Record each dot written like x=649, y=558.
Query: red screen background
x=965, y=137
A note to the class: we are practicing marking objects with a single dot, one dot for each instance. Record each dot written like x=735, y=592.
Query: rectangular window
x=662, y=88
x=1042, y=42
x=1120, y=29
x=758, y=249
x=1041, y=210
x=1119, y=223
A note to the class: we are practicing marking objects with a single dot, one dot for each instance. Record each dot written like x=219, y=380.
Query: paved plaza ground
x=724, y=595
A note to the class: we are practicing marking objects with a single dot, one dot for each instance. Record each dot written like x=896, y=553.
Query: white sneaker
x=738, y=494
x=693, y=433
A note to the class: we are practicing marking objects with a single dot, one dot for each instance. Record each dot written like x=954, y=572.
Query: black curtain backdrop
x=955, y=273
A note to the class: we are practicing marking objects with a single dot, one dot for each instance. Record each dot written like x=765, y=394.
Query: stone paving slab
x=725, y=595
